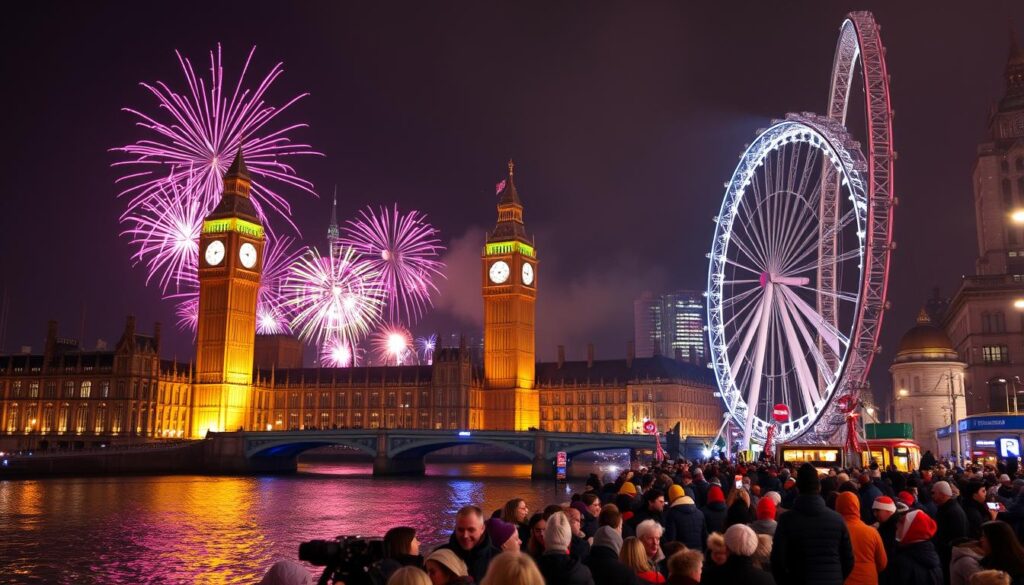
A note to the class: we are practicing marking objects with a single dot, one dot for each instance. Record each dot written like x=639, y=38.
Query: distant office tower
x=671, y=325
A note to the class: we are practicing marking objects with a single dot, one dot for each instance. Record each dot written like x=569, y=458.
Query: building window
x=33, y=389
x=86, y=389
x=105, y=389
x=69, y=389
x=995, y=354
x=1007, y=194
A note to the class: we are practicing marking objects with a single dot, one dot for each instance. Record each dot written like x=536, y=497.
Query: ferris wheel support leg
x=762, y=341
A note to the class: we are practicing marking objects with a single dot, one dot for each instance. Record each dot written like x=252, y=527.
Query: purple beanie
x=578, y=505
x=499, y=530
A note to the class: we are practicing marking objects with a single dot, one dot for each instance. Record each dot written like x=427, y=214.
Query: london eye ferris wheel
x=800, y=257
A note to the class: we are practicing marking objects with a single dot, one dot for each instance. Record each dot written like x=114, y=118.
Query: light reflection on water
x=194, y=529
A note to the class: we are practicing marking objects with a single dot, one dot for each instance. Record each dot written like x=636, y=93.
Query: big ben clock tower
x=230, y=261
x=510, y=292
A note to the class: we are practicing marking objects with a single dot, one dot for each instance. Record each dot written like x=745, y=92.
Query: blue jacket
x=811, y=545
x=685, y=523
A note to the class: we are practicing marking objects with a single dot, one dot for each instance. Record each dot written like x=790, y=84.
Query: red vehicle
x=904, y=454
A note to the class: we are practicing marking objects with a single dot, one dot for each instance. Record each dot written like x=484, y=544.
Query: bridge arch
x=422, y=448
x=293, y=447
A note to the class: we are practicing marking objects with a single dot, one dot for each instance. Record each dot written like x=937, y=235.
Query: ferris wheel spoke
x=740, y=297
x=759, y=213
x=851, y=298
x=752, y=231
x=743, y=266
x=745, y=309
x=832, y=336
x=814, y=265
x=802, y=232
x=754, y=393
x=750, y=327
x=746, y=251
x=819, y=360
x=808, y=389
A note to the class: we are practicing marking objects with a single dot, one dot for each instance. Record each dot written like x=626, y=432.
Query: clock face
x=247, y=254
x=214, y=253
x=499, y=272
x=527, y=273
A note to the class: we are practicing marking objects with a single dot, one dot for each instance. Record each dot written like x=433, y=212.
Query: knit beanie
x=628, y=488
x=499, y=530
x=451, y=561
x=558, y=533
x=675, y=492
x=916, y=526
x=766, y=509
x=715, y=495
x=608, y=537
x=581, y=507
x=884, y=503
x=774, y=496
x=741, y=540
x=287, y=571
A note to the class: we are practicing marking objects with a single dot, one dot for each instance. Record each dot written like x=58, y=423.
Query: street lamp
x=1017, y=216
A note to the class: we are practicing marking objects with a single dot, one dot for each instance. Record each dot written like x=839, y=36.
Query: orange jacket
x=868, y=551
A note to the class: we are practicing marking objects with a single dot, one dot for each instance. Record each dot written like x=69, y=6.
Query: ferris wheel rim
x=833, y=137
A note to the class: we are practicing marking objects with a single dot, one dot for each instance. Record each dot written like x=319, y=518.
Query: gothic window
x=986, y=323
x=325, y=400
x=86, y=389
x=105, y=389
x=309, y=400
x=357, y=400
x=33, y=389
x=998, y=322
x=1007, y=194
x=69, y=389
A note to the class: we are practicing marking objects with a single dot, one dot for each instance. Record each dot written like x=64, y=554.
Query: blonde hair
x=716, y=541
x=990, y=578
x=685, y=562
x=409, y=576
x=634, y=555
x=512, y=568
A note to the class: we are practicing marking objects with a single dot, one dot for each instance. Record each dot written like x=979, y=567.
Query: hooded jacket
x=714, y=511
x=966, y=562
x=869, y=558
x=811, y=545
x=607, y=569
x=914, y=564
x=685, y=523
x=737, y=570
x=558, y=567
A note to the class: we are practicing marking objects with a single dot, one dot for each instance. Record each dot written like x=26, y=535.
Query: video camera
x=353, y=560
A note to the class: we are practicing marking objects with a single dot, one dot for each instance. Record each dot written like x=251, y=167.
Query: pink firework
x=187, y=311
x=336, y=353
x=164, y=230
x=278, y=258
x=393, y=345
x=332, y=297
x=198, y=132
x=405, y=250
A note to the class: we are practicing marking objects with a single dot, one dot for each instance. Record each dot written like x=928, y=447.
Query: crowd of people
x=723, y=523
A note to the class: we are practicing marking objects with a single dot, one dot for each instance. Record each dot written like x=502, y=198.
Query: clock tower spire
x=509, y=264
x=230, y=262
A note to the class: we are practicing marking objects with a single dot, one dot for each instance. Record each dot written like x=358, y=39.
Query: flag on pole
x=500, y=187
x=659, y=454
x=768, y=446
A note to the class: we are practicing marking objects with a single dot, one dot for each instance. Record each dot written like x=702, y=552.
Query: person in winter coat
x=579, y=547
x=715, y=510
x=471, y=543
x=976, y=508
x=765, y=523
x=401, y=549
x=650, y=533
x=811, y=544
x=555, y=564
x=517, y=513
x=739, y=568
x=869, y=557
x=966, y=562
x=604, y=563
x=685, y=523
x=634, y=556
x=590, y=509
x=700, y=488
x=915, y=561
x=510, y=568
x=1002, y=550
x=652, y=509
x=737, y=508
x=504, y=536
x=886, y=522
x=868, y=491
x=287, y=572
x=951, y=522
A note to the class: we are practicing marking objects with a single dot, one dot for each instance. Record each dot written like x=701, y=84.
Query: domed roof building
x=924, y=371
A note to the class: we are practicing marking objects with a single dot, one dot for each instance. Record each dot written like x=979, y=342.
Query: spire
x=332, y=228
x=238, y=168
x=1014, y=74
x=510, y=211
x=509, y=195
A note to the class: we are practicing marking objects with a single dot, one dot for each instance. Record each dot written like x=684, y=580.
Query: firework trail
x=405, y=251
x=278, y=258
x=331, y=296
x=426, y=346
x=195, y=134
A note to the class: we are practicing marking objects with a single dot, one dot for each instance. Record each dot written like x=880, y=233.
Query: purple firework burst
x=405, y=251
x=198, y=132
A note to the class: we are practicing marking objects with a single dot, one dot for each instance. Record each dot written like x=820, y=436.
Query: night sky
x=624, y=120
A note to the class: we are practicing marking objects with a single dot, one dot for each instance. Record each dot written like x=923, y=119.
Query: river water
x=197, y=529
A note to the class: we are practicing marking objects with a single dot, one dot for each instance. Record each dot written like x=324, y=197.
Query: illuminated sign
x=233, y=224
x=1009, y=447
x=493, y=248
x=561, y=460
x=464, y=433
x=985, y=443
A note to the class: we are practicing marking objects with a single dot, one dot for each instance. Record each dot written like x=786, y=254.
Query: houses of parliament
x=68, y=397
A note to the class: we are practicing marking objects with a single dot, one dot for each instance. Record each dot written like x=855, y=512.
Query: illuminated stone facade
x=67, y=397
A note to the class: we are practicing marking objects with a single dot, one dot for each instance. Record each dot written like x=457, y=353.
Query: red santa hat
x=884, y=503
x=916, y=526
x=907, y=498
